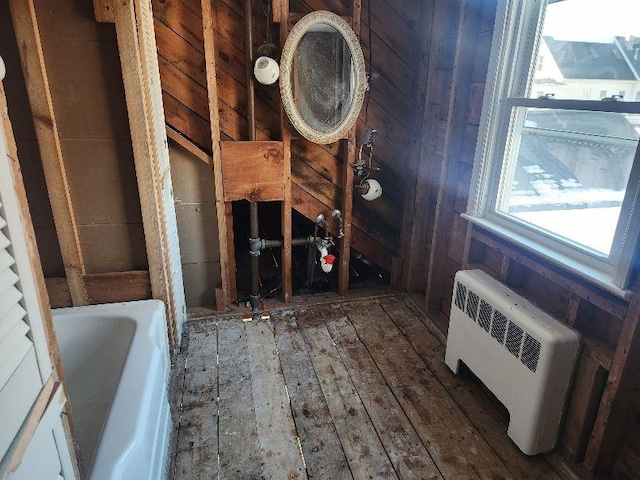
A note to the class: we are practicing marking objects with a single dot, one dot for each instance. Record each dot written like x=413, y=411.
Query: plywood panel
x=253, y=171
x=113, y=247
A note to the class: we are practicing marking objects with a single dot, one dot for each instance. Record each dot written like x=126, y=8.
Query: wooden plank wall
x=441, y=243
x=316, y=170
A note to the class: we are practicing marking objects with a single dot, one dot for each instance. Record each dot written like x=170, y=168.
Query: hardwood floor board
x=321, y=446
x=409, y=457
x=422, y=398
x=468, y=397
x=362, y=383
x=277, y=434
x=197, y=444
x=239, y=447
x=365, y=453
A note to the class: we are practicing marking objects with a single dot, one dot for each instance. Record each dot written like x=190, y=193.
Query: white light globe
x=372, y=189
x=266, y=70
x=3, y=69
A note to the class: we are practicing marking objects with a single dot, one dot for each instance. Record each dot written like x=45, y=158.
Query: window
x=560, y=173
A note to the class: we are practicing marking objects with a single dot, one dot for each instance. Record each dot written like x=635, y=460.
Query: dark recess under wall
x=363, y=272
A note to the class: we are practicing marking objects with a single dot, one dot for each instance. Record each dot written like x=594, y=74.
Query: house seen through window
x=558, y=161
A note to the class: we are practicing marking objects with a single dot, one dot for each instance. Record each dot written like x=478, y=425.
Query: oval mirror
x=322, y=77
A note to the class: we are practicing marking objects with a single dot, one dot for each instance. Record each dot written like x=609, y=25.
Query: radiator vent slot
x=472, y=305
x=461, y=295
x=499, y=327
x=514, y=339
x=530, y=352
x=484, y=317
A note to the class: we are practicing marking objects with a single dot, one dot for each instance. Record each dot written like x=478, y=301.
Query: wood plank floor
x=352, y=390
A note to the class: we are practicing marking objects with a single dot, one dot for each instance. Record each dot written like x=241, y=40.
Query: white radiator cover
x=523, y=355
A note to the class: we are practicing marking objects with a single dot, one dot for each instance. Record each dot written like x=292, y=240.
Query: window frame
x=516, y=41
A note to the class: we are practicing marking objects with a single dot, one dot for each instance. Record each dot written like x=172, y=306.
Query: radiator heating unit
x=523, y=355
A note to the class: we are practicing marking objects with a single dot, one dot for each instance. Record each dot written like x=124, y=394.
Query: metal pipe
x=248, y=49
x=251, y=117
x=294, y=242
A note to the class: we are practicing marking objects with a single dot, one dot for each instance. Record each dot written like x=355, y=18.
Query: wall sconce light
x=369, y=188
x=266, y=70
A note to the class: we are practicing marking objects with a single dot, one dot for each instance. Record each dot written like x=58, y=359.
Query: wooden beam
x=348, y=158
x=103, y=11
x=44, y=120
x=189, y=146
x=456, y=120
x=417, y=180
x=287, y=263
x=616, y=400
x=252, y=171
x=140, y=73
x=225, y=236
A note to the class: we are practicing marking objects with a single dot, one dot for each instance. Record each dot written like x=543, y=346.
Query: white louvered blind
x=14, y=342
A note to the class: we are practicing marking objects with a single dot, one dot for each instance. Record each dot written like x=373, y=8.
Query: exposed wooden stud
x=44, y=120
x=417, y=175
x=252, y=171
x=349, y=157
x=286, y=263
x=227, y=263
x=617, y=397
x=573, y=309
x=188, y=145
x=138, y=57
x=103, y=11
x=231, y=249
x=456, y=118
x=588, y=385
x=276, y=11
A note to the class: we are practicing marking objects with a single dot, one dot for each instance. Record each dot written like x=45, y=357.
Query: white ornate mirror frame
x=304, y=25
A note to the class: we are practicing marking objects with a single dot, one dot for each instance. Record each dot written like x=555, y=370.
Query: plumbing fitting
x=254, y=300
x=255, y=245
x=337, y=215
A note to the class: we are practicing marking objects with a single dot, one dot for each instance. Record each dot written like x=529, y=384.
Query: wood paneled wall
x=442, y=243
x=316, y=170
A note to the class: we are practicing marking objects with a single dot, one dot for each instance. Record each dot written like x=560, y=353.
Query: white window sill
x=586, y=272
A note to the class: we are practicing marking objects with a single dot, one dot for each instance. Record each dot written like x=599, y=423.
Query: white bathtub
x=116, y=362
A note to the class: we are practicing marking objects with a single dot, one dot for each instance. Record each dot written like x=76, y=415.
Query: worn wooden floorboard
x=365, y=453
x=277, y=434
x=450, y=438
x=407, y=453
x=367, y=393
x=321, y=446
x=240, y=455
x=197, y=444
x=468, y=396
